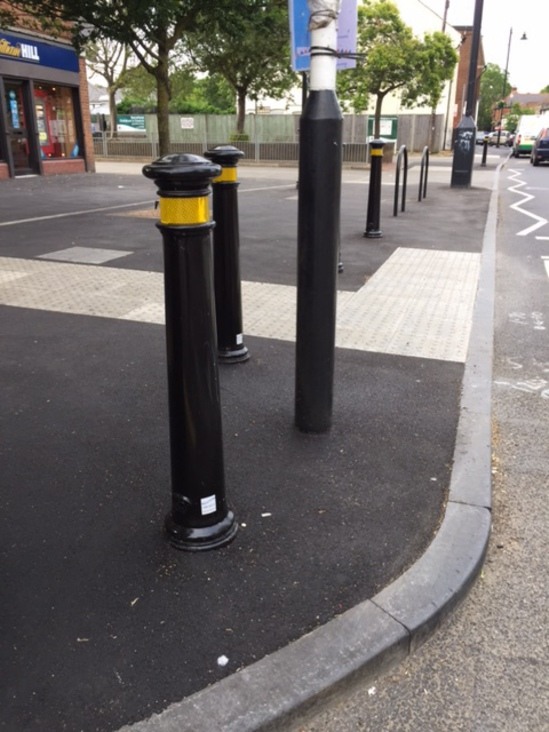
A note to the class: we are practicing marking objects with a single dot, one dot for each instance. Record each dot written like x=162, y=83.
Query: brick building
x=536, y=103
x=45, y=124
x=462, y=80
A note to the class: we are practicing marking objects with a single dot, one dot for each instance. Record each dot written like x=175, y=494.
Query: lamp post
x=464, y=143
x=504, y=90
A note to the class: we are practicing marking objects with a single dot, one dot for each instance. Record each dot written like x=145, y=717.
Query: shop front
x=44, y=128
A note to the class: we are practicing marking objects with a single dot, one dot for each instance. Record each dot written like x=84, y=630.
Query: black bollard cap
x=377, y=144
x=181, y=172
x=224, y=155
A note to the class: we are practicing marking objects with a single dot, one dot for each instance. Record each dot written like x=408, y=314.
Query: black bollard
x=226, y=242
x=199, y=518
x=374, y=193
x=484, y=152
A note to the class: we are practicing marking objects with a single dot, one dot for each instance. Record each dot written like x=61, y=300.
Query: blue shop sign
x=38, y=53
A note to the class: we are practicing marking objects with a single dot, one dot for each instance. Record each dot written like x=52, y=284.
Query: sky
x=528, y=68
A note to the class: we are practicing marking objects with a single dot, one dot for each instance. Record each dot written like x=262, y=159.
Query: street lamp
x=504, y=90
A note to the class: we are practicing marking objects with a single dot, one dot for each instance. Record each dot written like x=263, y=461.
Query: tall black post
x=320, y=159
x=373, y=214
x=465, y=133
x=318, y=244
x=226, y=238
x=199, y=518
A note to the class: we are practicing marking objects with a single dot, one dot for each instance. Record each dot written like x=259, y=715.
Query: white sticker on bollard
x=208, y=505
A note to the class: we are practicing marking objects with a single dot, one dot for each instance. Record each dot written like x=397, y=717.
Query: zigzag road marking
x=540, y=221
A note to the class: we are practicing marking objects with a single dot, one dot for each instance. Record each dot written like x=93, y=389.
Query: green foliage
x=190, y=95
x=387, y=44
x=208, y=95
x=436, y=61
x=395, y=62
x=512, y=118
x=140, y=87
x=493, y=88
x=245, y=42
x=6, y=17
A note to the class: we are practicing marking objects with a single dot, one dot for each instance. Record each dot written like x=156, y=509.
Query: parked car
x=493, y=137
x=481, y=134
x=528, y=128
x=540, y=148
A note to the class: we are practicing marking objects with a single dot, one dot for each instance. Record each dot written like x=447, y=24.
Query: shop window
x=55, y=120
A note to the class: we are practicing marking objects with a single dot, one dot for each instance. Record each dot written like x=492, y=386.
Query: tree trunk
x=377, y=115
x=112, y=113
x=241, y=110
x=163, y=101
x=433, y=129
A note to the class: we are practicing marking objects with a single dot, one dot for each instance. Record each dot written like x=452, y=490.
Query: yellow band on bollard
x=184, y=211
x=227, y=175
x=376, y=151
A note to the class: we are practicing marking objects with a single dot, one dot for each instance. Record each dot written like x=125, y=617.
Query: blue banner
x=37, y=53
x=300, y=36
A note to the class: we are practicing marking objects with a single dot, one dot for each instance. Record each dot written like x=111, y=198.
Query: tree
x=493, y=89
x=395, y=61
x=189, y=94
x=138, y=91
x=207, y=95
x=109, y=59
x=512, y=117
x=151, y=28
x=245, y=42
x=217, y=93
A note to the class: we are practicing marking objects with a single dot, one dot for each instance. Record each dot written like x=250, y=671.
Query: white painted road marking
x=540, y=221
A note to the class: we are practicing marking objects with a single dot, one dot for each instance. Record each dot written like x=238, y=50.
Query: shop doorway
x=17, y=117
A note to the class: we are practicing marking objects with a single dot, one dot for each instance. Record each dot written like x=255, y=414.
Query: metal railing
x=402, y=158
x=424, y=172
x=258, y=152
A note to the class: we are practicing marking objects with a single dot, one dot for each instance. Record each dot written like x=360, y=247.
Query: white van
x=528, y=128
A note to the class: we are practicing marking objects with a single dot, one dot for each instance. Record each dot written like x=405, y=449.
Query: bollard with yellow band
x=190, y=211
x=199, y=518
x=372, y=230
x=226, y=238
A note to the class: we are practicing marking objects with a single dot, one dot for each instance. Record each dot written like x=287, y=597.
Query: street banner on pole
x=301, y=40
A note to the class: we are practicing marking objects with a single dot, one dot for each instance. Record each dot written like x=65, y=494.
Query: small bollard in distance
x=199, y=518
x=373, y=230
x=484, y=151
x=226, y=238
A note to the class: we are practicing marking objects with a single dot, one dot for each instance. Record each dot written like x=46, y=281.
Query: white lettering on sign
x=29, y=52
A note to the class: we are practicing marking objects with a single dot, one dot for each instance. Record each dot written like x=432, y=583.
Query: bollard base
x=233, y=355
x=376, y=234
x=196, y=539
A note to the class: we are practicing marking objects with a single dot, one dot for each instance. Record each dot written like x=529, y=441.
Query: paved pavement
x=352, y=545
